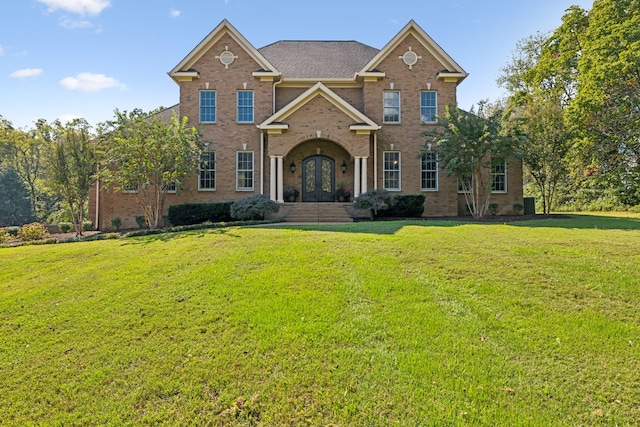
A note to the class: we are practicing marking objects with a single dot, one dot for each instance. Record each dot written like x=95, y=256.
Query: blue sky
x=85, y=58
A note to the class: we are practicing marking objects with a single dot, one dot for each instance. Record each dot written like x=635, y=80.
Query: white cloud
x=89, y=82
x=174, y=13
x=1, y=50
x=66, y=118
x=27, y=72
x=74, y=24
x=81, y=7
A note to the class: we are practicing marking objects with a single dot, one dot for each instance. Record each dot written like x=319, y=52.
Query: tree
x=15, y=205
x=24, y=152
x=73, y=166
x=606, y=109
x=148, y=155
x=539, y=92
x=466, y=144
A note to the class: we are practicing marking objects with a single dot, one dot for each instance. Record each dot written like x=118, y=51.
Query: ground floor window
x=244, y=170
x=207, y=171
x=391, y=170
x=429, y=171
x=498, y=175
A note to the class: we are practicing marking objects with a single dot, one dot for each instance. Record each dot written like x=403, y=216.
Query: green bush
x=376, y=200
x=493, y=208
x=197, y=213
x=518, y=208
x=253, y=208
x=33, y=231
x=4, y=236
x=405, y=206
x=141, y=221
x=87, y=225
x=13, y=230
x=65, y=227
x=116, y=222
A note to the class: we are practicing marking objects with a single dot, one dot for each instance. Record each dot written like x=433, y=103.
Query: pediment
x=277, y=123
x=452, y=71
x=184, y=70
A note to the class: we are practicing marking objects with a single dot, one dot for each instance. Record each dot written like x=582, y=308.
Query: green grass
x=391, y=323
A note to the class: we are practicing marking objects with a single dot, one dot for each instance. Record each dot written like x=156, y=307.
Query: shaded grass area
x=389, y=323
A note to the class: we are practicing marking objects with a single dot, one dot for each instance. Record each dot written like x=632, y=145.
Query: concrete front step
x=318, y=212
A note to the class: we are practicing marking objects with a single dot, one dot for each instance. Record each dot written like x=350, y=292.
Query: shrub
x=4, y=236
x=65, y=227
x=197, y=213
x=33, y=231
x=494, y=208
x=518, y=208
x=116, y=222
x=254, y=207
x=13, y=230
x=87, y=225
x=141, y=221
x=376, y=200
x=405, y=206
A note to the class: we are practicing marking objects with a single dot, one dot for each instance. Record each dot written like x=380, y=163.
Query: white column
x=272, y=178
x=280, y=181
x=356, y=176
x=364, y=174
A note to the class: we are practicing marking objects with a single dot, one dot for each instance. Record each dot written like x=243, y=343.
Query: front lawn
x=366, y=324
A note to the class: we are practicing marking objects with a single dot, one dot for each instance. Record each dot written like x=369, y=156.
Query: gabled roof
x=298, y=59
x=277, y=122
x=451, y=67
x=184, y=68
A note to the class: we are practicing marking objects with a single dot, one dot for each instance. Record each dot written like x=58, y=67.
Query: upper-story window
x=207, y=106
x=207, y=171
x=498, y=175
x=391, y=170
x=245, y=106
x=429, y=172
x=391, y=106
x=428, y=106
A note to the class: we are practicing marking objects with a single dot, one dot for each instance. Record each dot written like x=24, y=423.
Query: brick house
x=316, y=115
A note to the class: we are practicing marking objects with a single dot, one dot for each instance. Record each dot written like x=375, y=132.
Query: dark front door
x=318, y=176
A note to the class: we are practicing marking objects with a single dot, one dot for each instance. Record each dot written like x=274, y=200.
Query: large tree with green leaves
x=15, y=206
x=606, y=109
x=23, y=150
x=466, y=144
x=73, y=166
x=539, y=92
x=148, y=155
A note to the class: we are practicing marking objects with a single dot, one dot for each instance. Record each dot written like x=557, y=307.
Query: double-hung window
x=207, y=106
x=429, y=172
x=428, y=106
x=207, y=171
x=391, y=106
x=391, y=170
x=244, y=170
x=245, y=106
x=498, y=175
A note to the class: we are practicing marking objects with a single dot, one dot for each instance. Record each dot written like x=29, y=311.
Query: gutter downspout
x=375, y=160
x=262, y=162
x=97, y=223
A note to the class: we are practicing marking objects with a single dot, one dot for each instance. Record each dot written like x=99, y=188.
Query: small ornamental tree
x=466, y=144
x=145, y=154
x=73, y=166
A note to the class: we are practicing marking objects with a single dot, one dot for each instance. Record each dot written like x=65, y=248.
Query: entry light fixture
x=292, y=166
x=343, y=167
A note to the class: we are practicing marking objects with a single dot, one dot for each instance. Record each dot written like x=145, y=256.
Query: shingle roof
x=318, y=59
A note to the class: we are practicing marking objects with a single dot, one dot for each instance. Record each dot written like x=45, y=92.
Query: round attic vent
x=227, y=58
x=410, y=58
